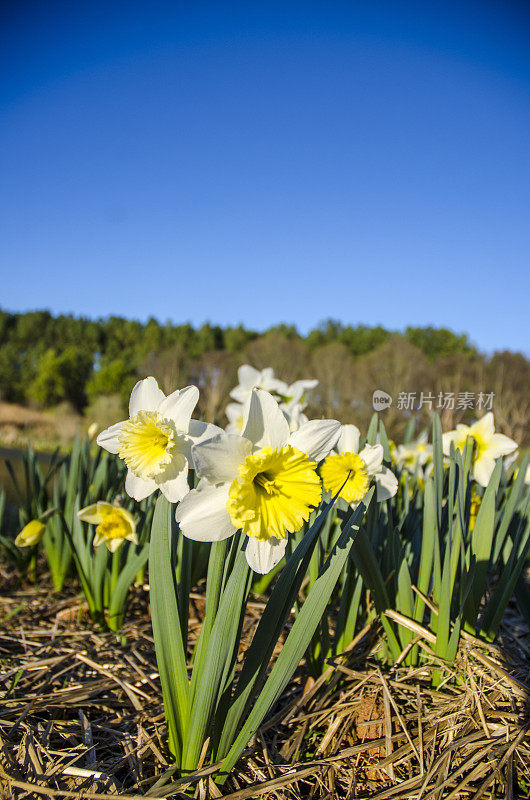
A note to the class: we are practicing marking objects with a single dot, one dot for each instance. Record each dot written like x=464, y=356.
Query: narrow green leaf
x=170, y=655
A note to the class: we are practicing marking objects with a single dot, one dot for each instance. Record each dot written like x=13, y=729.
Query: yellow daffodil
x=351, y=472
x=487, y=446
x=114, y=524
x=263, y=482
x=31, y=533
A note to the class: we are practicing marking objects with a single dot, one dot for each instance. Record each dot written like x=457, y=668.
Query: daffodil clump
x=313, y=504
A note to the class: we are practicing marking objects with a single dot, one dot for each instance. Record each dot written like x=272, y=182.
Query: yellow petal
x=90, y=514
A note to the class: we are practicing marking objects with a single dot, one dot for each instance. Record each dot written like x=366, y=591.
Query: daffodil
x=293, y=414
x=155, y=442
x=298, y=394
x=31, y=533
x=263, y=482
x=351, y=472
x=114, y=524
x=487, y=446
x=414, y=456
x=251, y=378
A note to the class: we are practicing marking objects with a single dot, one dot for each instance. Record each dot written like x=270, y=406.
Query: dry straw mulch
x=81, y=716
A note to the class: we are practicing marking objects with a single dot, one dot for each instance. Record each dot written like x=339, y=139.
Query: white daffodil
x=155, y=442
x=251, y=378
x=234, y=411
x=487, y=446
x=415, y=455
x=298, y=394
x=294, y=416
x=114, y=524
x=263, y=482
x=353, y=471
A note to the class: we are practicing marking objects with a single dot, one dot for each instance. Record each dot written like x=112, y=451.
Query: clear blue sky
x=269, y=162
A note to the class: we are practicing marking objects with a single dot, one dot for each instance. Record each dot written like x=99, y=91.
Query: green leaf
x=170, y=655
x=300, y=635
x=127, y=577
x=220, y=652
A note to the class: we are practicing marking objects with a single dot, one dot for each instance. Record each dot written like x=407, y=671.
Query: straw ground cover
x=83, y=716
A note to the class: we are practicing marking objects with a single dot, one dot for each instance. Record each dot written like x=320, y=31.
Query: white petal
x=108, y=439
x=349, y=439
x=146, y=396
x=500, y=445
x=386, y=483
x=137, y=487
x=485, y=426
x=199, y=431
x=179, y=407
x=299, y=390
x=176, y=488
x=202, y=515
x=317, y=437
x=263, y=422
x=372, y=455
x=248, y=376
x=218, y=459
x=447, y=439
x=483, y=470
x=263, y=556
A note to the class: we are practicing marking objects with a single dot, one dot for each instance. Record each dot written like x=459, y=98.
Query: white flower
x=294, y=416
x=250, y=378
x=263, y=482
x=155, y=442
x=298, y=394
x=487, y=446
x=415, y=455
x=353, y=471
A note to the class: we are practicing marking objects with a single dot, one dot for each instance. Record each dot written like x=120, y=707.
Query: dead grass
x=21, y=426
x=82, y=716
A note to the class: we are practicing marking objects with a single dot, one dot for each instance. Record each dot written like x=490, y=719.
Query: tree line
x=47, y=359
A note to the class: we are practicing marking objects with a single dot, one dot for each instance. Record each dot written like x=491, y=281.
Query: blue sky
x=265, y=163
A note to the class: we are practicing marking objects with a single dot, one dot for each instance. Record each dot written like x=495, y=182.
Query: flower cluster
x=264, y=479
x=267, y=471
